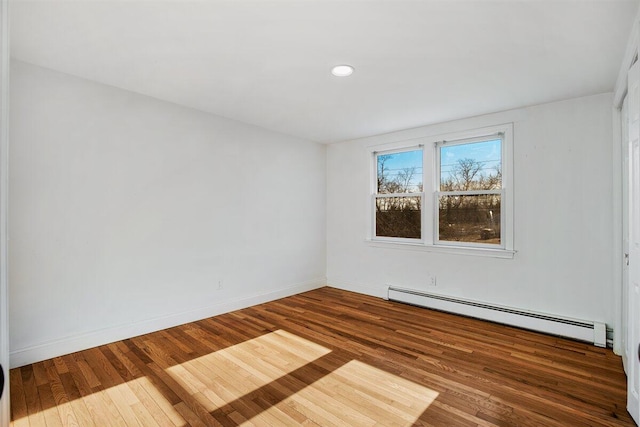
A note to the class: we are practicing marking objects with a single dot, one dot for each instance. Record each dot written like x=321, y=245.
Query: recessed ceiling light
x=342, y=70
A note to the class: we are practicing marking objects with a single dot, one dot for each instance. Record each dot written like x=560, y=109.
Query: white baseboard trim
x=48, y=350
x=374, y=291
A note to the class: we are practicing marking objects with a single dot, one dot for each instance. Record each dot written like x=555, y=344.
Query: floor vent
x=583, y=330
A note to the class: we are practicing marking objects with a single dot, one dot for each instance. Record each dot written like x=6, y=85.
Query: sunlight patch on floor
x=356, y=394
x=219, y=378
x=136, y=402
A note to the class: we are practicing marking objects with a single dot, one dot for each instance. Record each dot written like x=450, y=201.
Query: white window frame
x=375, y=195
x=431, y=181
x=437, y=193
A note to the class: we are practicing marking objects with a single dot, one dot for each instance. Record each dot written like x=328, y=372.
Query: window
x=399, y=195
x=448, y=192
x=469, y=192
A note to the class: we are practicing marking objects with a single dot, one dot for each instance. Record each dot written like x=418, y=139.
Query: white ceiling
x=268, y=62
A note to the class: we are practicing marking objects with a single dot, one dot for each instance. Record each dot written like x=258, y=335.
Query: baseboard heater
x=583, y=330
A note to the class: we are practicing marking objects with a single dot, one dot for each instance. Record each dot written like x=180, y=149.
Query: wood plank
x=60, y=397
x=19, y=413
x=34, y=408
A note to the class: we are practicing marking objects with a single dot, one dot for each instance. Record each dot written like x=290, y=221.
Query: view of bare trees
x=466, y=217
x=462, y=216
x=398, y=216
x=469, y=174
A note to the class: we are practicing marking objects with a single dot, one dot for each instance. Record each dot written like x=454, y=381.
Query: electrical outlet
x=431, y=280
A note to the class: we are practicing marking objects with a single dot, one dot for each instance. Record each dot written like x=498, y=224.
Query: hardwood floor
x=327, y=357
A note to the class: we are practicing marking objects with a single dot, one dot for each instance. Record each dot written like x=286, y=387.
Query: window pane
x=399, y=217
x=470, y=218
x=473, y=166
x=400, y=172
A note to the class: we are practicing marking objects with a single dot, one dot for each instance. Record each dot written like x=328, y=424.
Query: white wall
x=126, y=212
x=562, y=222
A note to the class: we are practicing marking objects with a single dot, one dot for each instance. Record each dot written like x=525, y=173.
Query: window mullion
x=429, y=186
x=389, y=195
x=468, y=192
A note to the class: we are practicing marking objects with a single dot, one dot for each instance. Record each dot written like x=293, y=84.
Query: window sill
x=453, y=250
